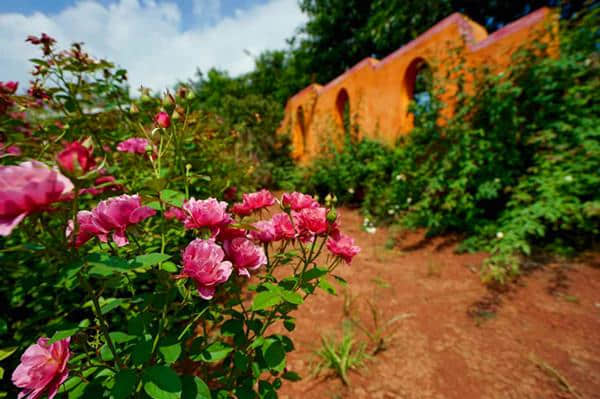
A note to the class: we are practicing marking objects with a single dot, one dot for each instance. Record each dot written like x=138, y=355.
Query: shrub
x=514, y=168
x=117, y=281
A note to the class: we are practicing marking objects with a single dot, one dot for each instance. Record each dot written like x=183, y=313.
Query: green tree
x=339, y=33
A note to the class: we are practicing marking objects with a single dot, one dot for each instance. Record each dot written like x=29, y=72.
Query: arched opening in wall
x=342, y=105
x=419, y=88
x=301, y=130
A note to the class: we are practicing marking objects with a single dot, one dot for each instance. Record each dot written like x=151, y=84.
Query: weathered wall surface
x=379, y=92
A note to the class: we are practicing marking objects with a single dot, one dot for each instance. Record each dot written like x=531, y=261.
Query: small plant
x=382, y=333
x=349, y=301
x=341, y=357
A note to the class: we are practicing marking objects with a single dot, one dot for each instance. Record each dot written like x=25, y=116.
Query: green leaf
x=106, y=354
x=292, y=297
x=62, y=335
x=104, y=265
x=313, y=273
x=151, y=259
x=135, y=325
x=169, y=267
x=266, y=299
x=194, y=388
x=110, y=304
x=6, y=352
x=215, y=352
x=161, y=382
x=241, y=362
x=125, y=382
x=326, y=286
x=340, y=280
x=266, y=390
x=289, y=324
x=142, y=352
x=120, y=337
x=273, y=353
x=156, y=205
x=38, y=61
x=291, y=376
x=170, y=349
x=172, y=197
x=232, y=327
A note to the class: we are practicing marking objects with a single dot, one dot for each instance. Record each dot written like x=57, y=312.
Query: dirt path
x=456, y=340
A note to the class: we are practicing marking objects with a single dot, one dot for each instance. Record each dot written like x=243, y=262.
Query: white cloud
x=146, y=38
x=207, y=9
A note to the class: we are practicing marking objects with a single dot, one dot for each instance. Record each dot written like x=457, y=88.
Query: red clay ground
x=459, y=340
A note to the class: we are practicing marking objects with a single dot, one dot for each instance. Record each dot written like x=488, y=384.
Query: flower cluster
x=113, y=215
x=225, y=248
x=230, y=247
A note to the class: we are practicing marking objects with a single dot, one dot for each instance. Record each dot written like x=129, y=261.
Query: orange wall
x=379, y=92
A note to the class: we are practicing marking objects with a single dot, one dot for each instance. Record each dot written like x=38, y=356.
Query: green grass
x=340, y=356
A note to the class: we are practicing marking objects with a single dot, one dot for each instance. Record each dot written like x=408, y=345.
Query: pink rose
x=312, y=220
x=134, y=145
x=203, y=263
x=244, y=255
x=9, y=87
x=88, y=228
x=284, y=228
x=175, y=213
x=343, y=246
x=113, y=215
x=298, y=201
x=162, y=119
x=76, y=158
x=206, y=213
x=11, y=150
x=43, y=368
x=241, y=209
x=229, y=233
x=265, y=231
x=253, y=202
x=27, y=188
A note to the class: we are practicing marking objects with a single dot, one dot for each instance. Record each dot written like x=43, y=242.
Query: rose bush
x=126, y=274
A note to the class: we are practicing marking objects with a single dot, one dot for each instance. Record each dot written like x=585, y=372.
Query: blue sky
x=194, y=13
x=158, y=41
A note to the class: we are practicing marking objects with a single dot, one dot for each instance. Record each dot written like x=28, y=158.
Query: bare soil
x=455, y=337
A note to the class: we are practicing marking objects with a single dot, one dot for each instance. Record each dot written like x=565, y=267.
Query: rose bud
x=76, y=159
x=162, y=119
